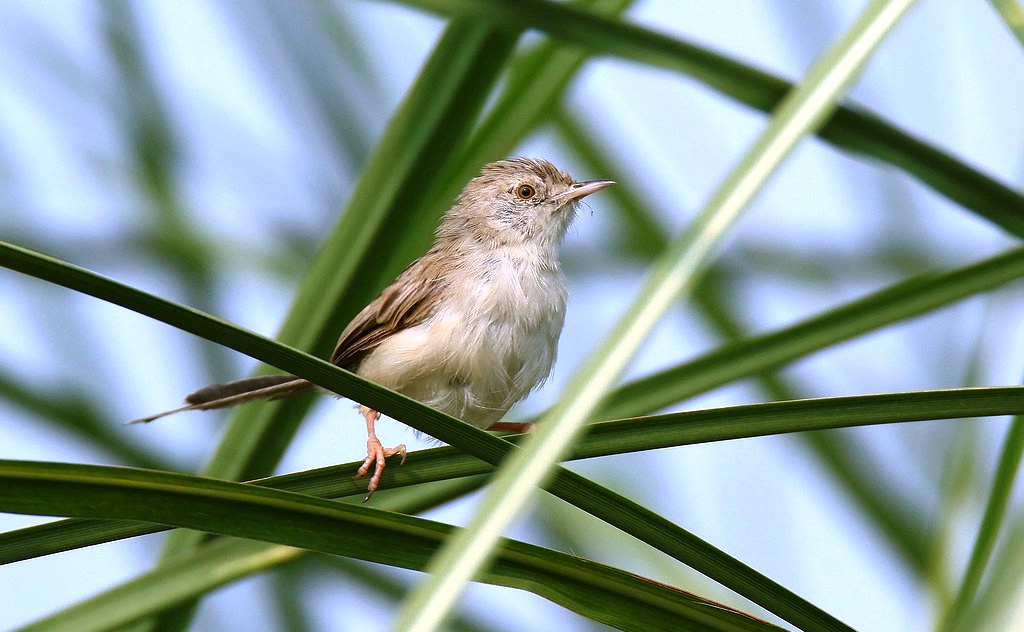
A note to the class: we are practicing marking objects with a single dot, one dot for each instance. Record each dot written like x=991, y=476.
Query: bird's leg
x=375, y=452
x=518, y=427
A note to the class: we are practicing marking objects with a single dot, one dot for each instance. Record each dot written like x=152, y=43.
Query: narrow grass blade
x=761, y=353
x=997, y=605
x=601, y=439
x=1013, y=15
x=675, y=271
x=990, y=527
x=353, y=530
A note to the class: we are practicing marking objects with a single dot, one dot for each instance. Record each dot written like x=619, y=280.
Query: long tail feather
x=237, y=392
x=250, y=385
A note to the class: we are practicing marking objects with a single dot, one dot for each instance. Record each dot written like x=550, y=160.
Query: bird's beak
x=579, y=190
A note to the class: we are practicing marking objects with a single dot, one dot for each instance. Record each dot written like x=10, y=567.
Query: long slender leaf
x=990, y=527
x=997, y=606
x=1013, y=15
x=672, y=274
x=352, y=530
x=602, y=439
x=761, y=353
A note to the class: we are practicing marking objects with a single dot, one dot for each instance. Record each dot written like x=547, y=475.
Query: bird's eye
x=525, y=191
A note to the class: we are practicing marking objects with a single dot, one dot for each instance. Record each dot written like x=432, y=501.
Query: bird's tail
x=238, y=392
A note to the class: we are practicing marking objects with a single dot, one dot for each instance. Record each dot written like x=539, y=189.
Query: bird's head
x=521, y=200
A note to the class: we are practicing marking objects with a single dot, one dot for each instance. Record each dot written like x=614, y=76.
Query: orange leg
x=518, y=427
x=375, y=452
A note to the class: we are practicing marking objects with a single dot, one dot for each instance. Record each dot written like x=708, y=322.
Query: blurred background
x=201, y=150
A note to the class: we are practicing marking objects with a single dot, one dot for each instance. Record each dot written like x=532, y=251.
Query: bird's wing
x=409, y=300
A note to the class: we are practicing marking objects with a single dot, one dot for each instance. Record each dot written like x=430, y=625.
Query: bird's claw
x=377, y=454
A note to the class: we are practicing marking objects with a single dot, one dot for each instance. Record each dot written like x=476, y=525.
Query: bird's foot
x=376, y=455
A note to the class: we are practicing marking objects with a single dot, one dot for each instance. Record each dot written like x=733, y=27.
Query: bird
x=471, y=327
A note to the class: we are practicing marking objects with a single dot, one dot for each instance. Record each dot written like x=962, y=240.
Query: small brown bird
x=469, y=328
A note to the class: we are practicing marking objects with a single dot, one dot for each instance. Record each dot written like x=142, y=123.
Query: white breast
x=488, y=345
